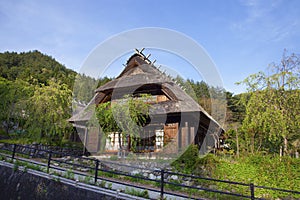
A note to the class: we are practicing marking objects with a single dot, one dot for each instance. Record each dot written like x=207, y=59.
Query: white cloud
x=266, y=21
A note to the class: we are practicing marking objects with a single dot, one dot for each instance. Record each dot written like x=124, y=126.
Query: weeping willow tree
x=126, y=116
x=46, y=112
x=272, y=119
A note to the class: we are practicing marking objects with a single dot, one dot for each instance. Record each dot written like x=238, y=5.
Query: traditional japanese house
x=176, y=119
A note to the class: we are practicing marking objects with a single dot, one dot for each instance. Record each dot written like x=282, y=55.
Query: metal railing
x=101, y=170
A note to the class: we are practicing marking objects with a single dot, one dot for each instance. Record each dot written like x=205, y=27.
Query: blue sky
x=241, y=37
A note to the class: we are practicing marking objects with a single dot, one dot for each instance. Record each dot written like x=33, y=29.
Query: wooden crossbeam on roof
x=146, y=58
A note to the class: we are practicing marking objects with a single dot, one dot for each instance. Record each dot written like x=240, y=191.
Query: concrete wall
x=17, y=184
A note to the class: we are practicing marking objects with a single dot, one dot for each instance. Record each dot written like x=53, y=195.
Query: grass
x=22, y=140
x=264, y=170
x=137, y=192
x=69, y=174
x=88, y=179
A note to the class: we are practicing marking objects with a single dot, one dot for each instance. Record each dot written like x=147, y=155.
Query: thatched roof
x=139, y=73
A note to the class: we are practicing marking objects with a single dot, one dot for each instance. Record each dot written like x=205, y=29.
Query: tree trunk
x=285, y=149
x=280, y=151
x=120, y=142
x=252, y=144
x=237, y=144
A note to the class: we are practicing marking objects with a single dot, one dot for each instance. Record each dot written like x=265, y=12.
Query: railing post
x=252, y=191
x=96, y=171
x=162, y=174
x=14, y=152
x=49, y=161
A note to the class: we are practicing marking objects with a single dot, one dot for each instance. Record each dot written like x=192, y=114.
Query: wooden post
x=85, y=140
x=96, y=170
x=162, y=174
x=49, y=161
x=179, y=138
x=189, y=134
x=14, y=152
x=252, y=191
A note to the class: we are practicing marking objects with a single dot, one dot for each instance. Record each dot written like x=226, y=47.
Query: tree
x=273, y=106
x=84, y=87
x=126, y=116
x=13, y=95
x=47, y=112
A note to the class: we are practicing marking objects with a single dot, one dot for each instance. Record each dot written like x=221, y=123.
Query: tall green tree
x=273, y=107
x=13, y=95
x=47, y=112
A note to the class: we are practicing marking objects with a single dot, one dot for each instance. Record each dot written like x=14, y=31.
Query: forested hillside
x=36, y=96
x=34, y=68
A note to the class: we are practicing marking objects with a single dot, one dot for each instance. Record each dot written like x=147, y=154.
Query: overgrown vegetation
x=271, y=121
x=262, y=170
x=259, y=169
x=35, y=92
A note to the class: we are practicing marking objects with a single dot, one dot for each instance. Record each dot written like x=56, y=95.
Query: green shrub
x=186, y=162
x=138, y=193
x=69, y=174
x=88, y=179
x=3, y=133
x=263, y=170
x=114, y=158
x=191, y=163
x=16, y=166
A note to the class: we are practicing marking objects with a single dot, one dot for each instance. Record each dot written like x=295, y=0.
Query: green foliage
x=262, y=170
x=136, y=192
x=3, y=134
x=174, y=187
x=109, y=186
x=84, y=87
x=102, y=184
x=106, y=118
x=70, y=175
x=126, y=116
x=191, y=163
x=13, y=95
x=186, y=163
x=88, y=179
x=16, y=166
x=236, y=109
x=113, y=158
x=35, y=68
x=212, y=99
x=35, y=95
x=35, y=92
x=47, y=111
x=273, y=107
